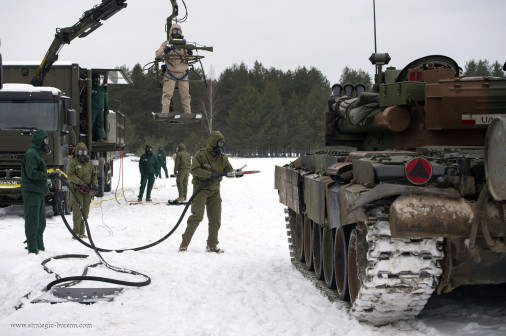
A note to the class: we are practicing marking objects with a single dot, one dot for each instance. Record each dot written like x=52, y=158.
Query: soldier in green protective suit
x=99, y=107
x=182, y=171
x=208, y=163
x=34, y=189
x=83, y=179
x=162, y=163
x=148, y=166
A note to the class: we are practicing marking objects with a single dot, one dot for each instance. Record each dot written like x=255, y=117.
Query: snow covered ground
x=251, y=289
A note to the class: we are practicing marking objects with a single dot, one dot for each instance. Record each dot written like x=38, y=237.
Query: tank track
x=301, y=267
x=331, y=294
x=400, y=275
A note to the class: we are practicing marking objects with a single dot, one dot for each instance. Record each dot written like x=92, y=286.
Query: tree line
x=261, y=112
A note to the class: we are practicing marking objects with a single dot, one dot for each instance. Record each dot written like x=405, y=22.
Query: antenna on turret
x=374, y=15
x=377, y=59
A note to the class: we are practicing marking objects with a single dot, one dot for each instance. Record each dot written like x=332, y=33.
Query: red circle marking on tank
x=418, y=171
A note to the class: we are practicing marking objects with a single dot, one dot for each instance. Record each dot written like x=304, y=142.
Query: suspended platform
x=178, y=118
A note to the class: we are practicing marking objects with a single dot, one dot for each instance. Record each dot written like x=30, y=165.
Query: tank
x=408, y=198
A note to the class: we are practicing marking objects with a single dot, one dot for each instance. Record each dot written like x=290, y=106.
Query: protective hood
x=214, y=137
x=175, y=25
x=212, y=143
x=181, y=148
x=79, y=146
x=83, y=157
x=149, y=149
x=95, y=79
x=38, y=139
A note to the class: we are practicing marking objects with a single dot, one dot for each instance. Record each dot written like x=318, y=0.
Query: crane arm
x=171, y=17
x=86, y=25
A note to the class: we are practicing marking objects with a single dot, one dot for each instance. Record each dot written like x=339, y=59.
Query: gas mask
x=220, y=147
x=176, y=34
x=149, y=151
x=82, y=155
x=45, y=146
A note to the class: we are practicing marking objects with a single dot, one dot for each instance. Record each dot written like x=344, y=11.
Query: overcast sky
x=285, y=34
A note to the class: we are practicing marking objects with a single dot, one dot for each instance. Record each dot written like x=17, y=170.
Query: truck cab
x=24, y=109
x=63, y=110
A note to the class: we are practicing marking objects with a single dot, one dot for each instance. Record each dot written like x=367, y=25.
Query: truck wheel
x=328, y=258
x=316, y=238
x=308, y=248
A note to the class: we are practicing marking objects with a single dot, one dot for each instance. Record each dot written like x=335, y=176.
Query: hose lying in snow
x=76, y=279
x=97, y=250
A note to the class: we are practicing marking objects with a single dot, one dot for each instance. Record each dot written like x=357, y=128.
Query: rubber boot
x=214, y=249
x=184, y=246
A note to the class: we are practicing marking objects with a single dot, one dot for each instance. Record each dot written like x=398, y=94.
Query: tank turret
x=424, y=104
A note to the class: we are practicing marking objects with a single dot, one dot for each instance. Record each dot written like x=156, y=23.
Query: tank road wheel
x=353, y=272
x=308, y=249
x=328, y=258
x=389, y=279
x=316, y=238
x=295, y=231
x=298, y=237
x=341, y=263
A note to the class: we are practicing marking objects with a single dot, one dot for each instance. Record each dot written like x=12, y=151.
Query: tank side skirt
x=388, y=189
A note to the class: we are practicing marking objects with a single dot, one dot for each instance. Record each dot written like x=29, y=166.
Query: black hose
x=101, y=279
x=77, y=279
x=97, y=250
x=129, y=249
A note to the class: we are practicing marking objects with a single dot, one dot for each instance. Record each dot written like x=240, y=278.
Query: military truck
x=408, y=198
x=63, y=110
